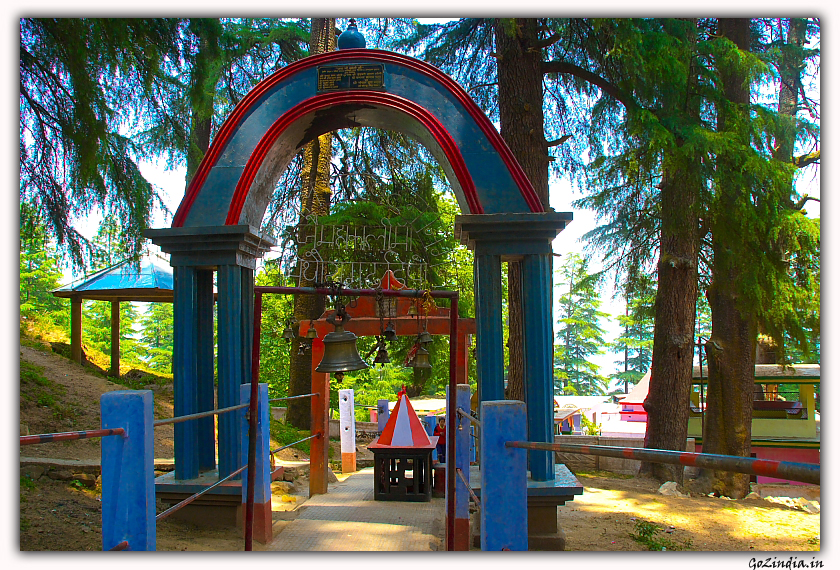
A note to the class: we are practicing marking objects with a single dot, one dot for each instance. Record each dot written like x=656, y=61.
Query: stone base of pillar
x=348, y=462
x=547, y=542
x=540, y=533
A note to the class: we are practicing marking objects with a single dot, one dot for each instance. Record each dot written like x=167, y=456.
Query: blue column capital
x=212, y=246
x=512, y=233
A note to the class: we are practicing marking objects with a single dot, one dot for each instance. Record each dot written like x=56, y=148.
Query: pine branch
x=559, y=141
x=597, y=80
x=806, y=159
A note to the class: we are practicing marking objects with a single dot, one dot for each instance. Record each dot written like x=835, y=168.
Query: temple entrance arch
x=216, y=230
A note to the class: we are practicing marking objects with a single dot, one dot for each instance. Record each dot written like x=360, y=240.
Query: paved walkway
x=347, y=518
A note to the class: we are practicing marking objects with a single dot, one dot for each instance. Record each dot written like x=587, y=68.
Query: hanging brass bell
x=412, y=310
x=311, y=332
x=288, y=333
x=382, y=356
x=390, y=333
x=424, y=337
x=421, y=359
x=340, y=352
x=302, y=349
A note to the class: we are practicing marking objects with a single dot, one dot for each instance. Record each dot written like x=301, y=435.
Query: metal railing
x=197, y=415
x=802, y=472
x=69, y=436
x=193, y=497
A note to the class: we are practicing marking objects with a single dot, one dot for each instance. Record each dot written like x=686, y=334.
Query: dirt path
x=64, y=515
x=605, y=518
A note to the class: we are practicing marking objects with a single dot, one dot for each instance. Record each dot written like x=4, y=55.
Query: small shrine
x=403, y=457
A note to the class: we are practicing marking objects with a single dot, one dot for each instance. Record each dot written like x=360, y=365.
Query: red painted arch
x=313, y=104
x=252, y=99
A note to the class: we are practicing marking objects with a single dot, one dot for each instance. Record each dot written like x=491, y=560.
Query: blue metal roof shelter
x=147, y=280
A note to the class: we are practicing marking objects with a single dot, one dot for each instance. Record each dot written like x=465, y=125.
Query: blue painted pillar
x=128, y=470
x=490, y=352
x=206, y=368
x=382, y=414
x=184, y=370
x=504, y=490
x=262, y=530
x=247, y=321
x=538, y=348
x=262, y=483
x=429, y=422
x=230, y=365
x=462, y=462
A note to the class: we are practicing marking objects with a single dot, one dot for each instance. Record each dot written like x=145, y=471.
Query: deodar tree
x=755, y=231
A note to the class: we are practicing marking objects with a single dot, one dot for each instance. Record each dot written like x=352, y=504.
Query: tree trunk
x=668, y=400
x=519, y=68
x=315, y=200
x=202, y=90
x=730, y=351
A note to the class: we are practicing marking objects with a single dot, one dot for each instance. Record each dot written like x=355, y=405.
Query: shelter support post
x=76, y=329
x=115, y=338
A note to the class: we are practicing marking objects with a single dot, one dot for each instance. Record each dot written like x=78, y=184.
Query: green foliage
x=26, y=482
x=635, y=343
x=98, y=95
x=647, y=534
x=285, y=434
x=157, y=336
x=39, y=274
x=580, y=333
x=589, y=427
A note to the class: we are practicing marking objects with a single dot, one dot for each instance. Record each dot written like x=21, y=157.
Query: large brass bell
x=421, y=359
x=340, y=352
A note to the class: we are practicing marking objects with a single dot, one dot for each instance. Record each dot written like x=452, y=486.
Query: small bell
x=382, y=356
x=390, y=333
x=424, y=337
x=421, y=359
x=311, y=332
x=288, y=333
x=412, y=310
x=302, y=349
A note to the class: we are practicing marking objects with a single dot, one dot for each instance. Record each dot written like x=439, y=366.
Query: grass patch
x=647, y=533
x=35, y=387
x=284, y=434
x=31, y=374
